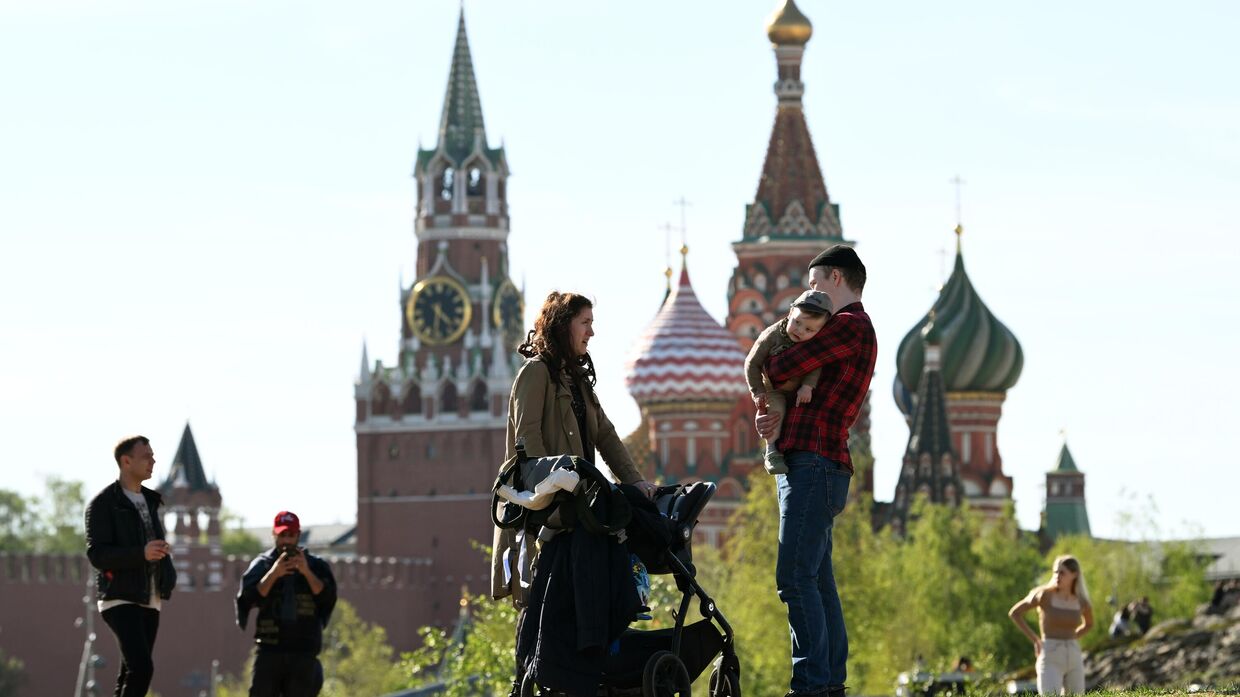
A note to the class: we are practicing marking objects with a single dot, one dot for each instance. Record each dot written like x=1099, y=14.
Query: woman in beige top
x=1065, y=615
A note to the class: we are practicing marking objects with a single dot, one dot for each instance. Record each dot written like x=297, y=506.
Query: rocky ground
x=1202, y=651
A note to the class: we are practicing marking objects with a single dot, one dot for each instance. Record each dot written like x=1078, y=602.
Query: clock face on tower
x=508, y=314
x=439, y=310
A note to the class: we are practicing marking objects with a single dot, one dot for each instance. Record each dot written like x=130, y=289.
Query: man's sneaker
x=774, y=463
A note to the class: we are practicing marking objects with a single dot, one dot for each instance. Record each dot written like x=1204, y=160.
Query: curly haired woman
x=554, y=408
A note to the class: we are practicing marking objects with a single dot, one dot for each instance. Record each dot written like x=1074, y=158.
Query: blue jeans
x=813, y=492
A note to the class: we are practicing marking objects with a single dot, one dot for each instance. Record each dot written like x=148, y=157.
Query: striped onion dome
x=980, y=354
x=685, y=355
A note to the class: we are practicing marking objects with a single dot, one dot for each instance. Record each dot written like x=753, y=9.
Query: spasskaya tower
x=430, y=427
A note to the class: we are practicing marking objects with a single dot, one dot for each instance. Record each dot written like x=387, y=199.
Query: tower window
x=474, y=185
x=478, y=400
x=446, y=182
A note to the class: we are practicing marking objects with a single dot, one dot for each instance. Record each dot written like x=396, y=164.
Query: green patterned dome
x=980, y=354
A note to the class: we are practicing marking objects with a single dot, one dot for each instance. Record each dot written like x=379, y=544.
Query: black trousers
x=286, y=674
x=135, y=628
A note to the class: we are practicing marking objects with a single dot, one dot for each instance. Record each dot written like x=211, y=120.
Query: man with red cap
x=295, y=593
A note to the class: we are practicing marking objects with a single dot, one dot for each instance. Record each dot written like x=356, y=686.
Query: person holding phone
x=295, y=594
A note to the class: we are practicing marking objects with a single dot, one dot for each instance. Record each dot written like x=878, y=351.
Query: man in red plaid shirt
x=814, y=441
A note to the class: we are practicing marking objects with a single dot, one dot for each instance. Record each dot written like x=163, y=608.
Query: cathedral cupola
x=979, y=361
x=788, y=26
x=686, y=375
x=684, y=355
x=980, y=354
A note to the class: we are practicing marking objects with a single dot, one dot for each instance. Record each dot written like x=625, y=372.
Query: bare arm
x=1087, y=620
x=1017, y=615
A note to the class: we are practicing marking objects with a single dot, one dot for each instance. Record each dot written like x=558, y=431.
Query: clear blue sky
x=205, y=208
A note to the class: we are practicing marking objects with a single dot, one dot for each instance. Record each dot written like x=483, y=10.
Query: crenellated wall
x=41, y=598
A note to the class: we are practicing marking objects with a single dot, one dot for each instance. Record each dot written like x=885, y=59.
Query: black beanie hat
x=840, y=256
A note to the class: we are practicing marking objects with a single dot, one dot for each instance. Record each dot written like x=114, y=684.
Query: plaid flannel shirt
x=845, y=348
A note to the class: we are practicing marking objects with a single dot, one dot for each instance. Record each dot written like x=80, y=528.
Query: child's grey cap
x=814, y=301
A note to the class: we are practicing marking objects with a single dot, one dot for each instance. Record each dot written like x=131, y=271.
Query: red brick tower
x=790, y=220
x=192, y=511
x=430, y=429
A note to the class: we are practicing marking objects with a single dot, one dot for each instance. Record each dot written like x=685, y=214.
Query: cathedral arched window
x=412, y=403
x=449, y=402
x=478, y=398
x=447, y=181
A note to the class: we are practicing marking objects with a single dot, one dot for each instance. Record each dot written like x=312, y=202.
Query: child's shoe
x=774, y=463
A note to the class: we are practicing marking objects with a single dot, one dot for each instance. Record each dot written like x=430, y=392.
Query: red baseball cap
x=286, y=521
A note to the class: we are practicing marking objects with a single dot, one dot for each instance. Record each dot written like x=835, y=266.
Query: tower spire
x=792, y=199
x=461, y=128
x=931, y=464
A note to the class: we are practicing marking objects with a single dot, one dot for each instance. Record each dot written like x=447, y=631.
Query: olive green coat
x=542, y=414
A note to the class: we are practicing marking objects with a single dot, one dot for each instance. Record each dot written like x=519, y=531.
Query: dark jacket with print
x=305, y=633
x=116, y=546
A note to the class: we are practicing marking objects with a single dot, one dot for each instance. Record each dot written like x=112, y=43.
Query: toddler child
x=807, y=315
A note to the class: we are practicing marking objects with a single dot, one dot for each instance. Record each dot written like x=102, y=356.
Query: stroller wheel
x=724, y=683
x=665, y=676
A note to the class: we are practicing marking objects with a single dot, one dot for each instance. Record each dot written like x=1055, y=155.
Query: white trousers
x=1061, y=667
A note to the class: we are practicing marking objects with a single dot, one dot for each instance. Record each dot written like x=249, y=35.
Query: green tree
x=747, y=596
x=18, y=527
x=475, y=658
x=62, y=517
x=941, y=592
x=357, y=660
x=235, y=539
x=51, y=523
x=12, y=675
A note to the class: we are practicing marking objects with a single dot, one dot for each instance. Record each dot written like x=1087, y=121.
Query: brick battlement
x=363, y=573
x=43, y=569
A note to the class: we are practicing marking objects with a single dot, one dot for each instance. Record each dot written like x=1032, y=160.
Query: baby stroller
x=641, y=663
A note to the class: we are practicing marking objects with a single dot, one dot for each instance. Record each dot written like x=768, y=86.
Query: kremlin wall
x=430, y=424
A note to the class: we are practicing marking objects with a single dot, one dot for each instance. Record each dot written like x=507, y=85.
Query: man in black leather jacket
x=133, y=570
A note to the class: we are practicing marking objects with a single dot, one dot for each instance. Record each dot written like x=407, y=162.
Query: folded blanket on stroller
x=544, y=492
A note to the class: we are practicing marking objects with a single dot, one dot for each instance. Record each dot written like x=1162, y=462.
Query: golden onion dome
x=789, y=26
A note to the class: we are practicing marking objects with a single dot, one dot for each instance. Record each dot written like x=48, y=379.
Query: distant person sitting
x=963, y=665
x=805, y=318
x=295, y=594
x=1142, y=614
x=1120, y=624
